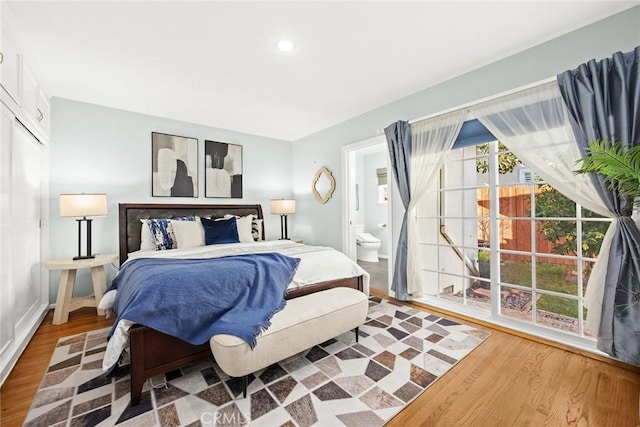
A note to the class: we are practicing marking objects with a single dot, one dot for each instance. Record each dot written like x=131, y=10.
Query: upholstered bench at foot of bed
x=304, y=322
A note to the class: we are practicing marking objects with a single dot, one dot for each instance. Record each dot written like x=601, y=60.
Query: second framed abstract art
x=223, y=170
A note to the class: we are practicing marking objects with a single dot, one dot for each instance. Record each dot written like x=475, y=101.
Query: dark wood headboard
x=131, y=214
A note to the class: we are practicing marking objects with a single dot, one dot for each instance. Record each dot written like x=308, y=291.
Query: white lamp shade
x=81, y=205
x=283, y=207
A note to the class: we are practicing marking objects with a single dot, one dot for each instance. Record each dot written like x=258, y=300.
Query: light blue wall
x=323, y=223
x=99, y=149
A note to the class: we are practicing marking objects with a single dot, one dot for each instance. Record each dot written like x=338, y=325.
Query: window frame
x=494, y=313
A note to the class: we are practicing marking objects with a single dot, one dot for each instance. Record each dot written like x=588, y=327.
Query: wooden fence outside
x=515, y=234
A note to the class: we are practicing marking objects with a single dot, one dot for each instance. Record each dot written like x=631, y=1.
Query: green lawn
x=549, y=277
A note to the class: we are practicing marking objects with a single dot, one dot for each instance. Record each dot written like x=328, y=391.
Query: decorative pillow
x=188, y=234
x=147, y=242
x=244, y=227
x=256, y=228
x=218, y=232
x=162, y=231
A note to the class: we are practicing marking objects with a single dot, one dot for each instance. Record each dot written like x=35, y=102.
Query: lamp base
x=284, y=234
x=88, y=247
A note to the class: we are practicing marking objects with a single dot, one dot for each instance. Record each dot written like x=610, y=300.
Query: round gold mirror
x=323, y=185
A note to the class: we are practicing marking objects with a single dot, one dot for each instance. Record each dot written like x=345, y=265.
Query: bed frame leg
x=356, y=331
x=136, y=363
x=245, y=383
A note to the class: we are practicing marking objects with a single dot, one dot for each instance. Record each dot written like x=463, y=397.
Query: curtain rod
x=478, y=101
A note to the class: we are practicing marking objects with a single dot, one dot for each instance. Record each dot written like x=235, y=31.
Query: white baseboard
x=21, y=340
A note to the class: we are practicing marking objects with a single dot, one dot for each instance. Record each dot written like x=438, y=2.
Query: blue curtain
x=399, y=141
x=603, y=100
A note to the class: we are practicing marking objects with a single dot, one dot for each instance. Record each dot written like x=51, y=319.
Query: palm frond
x=633, y=155
x=617, y=164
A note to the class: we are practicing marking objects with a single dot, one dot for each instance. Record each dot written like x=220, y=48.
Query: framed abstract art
x=174, y=166
x=223, y=170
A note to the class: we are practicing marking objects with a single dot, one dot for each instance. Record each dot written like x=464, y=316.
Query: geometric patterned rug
x=401, y=351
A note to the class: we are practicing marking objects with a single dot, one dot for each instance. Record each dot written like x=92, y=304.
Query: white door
x=6, y=287
x=27, y=154
x=353, y=197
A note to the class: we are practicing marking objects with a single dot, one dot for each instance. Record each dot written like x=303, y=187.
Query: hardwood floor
x=18, y=390
x=507, y=381
x=510, y=380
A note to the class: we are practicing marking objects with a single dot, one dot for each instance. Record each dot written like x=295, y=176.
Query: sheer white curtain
x=534, y=125
x=431, y=141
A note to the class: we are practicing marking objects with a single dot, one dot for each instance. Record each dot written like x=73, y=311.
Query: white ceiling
x=215, y=63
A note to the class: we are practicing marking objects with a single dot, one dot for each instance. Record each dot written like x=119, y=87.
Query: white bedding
x=317, y=264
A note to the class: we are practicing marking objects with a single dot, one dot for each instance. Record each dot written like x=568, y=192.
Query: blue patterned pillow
x=162, y=231
x=256, y=228
x=220, y=231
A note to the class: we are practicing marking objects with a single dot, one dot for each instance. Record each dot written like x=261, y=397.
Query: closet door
x=6, y=285
x=27, y=154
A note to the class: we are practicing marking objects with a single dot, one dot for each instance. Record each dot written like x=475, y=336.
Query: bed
x=148, y=347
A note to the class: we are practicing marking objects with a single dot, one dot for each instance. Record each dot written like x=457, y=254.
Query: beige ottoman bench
x=304, y=322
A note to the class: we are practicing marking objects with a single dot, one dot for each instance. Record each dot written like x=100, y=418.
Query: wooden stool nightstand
x=65, y=301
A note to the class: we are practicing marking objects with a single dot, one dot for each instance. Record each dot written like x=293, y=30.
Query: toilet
x=367, y=245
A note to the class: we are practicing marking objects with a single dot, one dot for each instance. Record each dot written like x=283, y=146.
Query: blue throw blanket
x=194, y=299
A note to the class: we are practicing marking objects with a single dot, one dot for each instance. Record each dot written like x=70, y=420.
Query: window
x=495, y=237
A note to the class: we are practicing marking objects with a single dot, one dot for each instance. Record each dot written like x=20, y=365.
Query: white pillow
x=244, y=225
x=244, y=229
x=147, y=242
x=189, y=234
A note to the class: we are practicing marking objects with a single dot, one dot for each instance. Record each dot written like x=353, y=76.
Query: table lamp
x=83, y=205
x=283, y=207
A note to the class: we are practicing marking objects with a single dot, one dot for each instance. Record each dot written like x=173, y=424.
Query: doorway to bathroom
x=367, y=225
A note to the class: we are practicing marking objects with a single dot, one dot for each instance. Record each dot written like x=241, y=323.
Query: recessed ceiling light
x=285, y=45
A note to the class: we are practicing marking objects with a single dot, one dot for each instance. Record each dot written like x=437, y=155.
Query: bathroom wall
x=375, y=213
